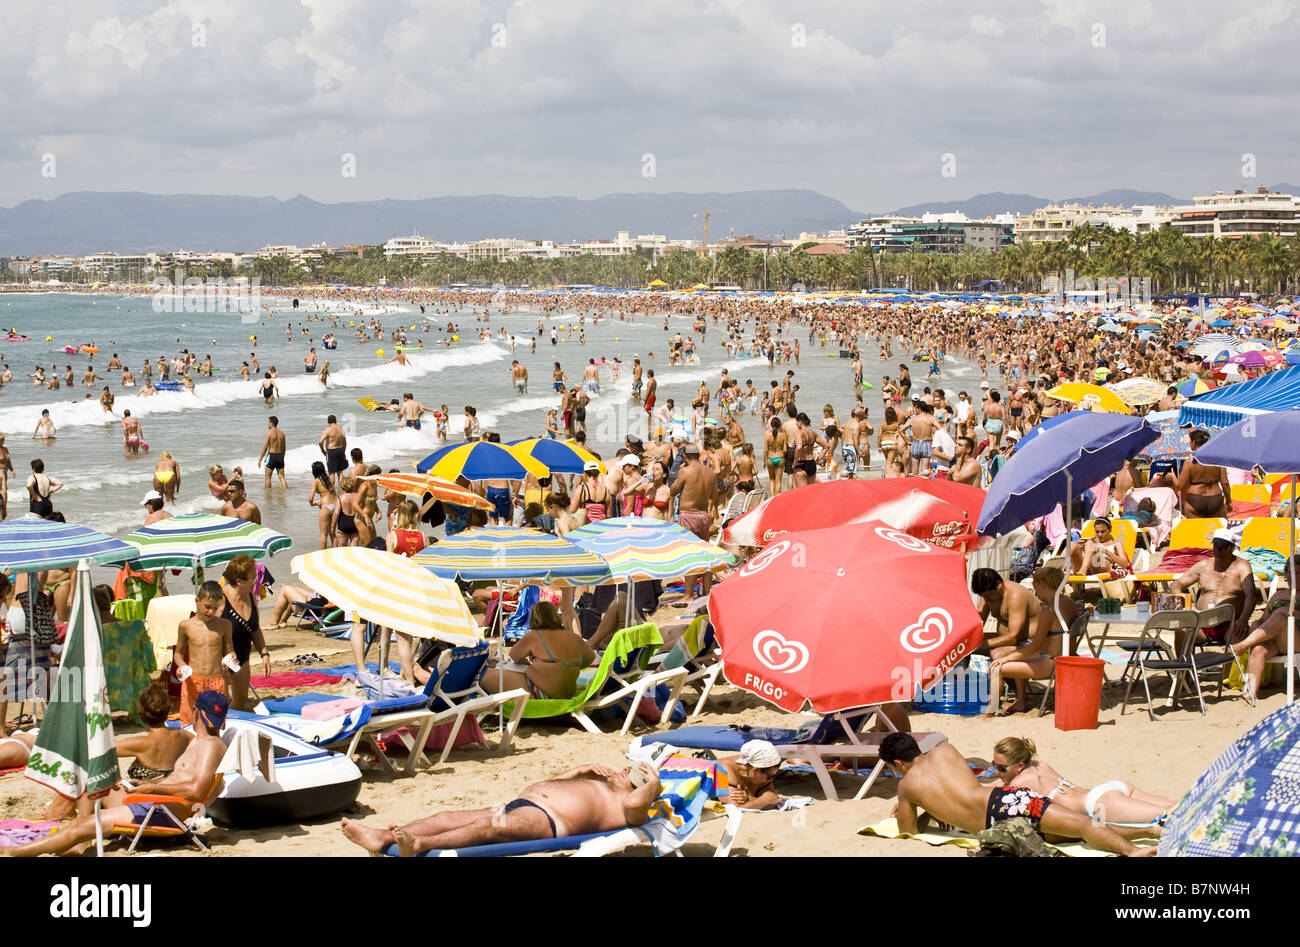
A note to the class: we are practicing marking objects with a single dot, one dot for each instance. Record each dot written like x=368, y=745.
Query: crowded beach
x=1017, y=610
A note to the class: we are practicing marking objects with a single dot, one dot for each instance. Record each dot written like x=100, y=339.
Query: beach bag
x=40, y=621
x=1234, y=682
x=1014, y=838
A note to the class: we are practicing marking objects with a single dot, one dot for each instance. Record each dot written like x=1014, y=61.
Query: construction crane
x=706, y=214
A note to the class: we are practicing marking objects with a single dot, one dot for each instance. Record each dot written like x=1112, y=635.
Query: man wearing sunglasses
x=940, y=782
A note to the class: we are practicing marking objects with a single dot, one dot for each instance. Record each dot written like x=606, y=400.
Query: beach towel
x=20, y=832
x=888, y=828
x=470, y=734
x=129, y=663
x=1242, y=510
x=329, y=709
x=14, y=771
x=1180, y=560
x=286, y=679
x=243, y=756
x=1267, y=562
x=688, y=785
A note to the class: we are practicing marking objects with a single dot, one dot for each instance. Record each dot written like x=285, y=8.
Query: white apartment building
x=1240, y=214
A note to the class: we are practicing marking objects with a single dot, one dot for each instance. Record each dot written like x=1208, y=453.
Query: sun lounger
x=814, y=742
x=690, y=790
x=451, y=694
x=697, y=651
x=623, y=673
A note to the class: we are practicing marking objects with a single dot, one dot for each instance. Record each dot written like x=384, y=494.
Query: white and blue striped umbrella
x=510, y=552
x=34, y=545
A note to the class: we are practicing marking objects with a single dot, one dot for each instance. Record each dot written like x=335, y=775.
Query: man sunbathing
x=940, y=782
x=588, y=799
x=194, y=778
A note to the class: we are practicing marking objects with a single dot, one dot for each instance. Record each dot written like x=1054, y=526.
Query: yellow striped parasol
x=389, y=590
x=1090, y=397
x=417, y=485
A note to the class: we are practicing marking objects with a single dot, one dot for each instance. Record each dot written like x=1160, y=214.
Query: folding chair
x=1186, y=662
x=1213, y=618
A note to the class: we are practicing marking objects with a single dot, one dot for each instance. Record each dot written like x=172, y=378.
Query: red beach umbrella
x=937, y=511
x=838, y=618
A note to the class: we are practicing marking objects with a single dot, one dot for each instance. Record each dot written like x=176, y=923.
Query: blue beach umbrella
x=511, y=552
x=1246, y=802
x=35, y=545
x=1172, y=442
x=1272, y=442
x=1221, y=324
x=1085, y=447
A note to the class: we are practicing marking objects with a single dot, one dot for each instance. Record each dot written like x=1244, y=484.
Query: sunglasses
x=1003, y=768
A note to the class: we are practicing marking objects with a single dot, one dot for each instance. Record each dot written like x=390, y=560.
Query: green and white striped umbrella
x=75, y=753
x=202, y=539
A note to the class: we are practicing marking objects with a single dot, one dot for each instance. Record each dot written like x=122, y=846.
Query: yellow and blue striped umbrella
x=479, y=460
x=556, y=456
x=389, y=590
x=510, y=552
x=640, y=548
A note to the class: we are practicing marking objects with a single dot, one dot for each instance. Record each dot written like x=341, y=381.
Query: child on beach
x=205, y=643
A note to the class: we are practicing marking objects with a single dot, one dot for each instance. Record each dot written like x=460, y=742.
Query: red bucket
x=1078, y=692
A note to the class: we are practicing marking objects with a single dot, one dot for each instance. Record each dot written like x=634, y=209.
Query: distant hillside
x=981, y=205
x=1126, y=197
x=89, y=221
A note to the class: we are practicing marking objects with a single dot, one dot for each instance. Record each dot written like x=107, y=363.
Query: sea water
x=224, y=420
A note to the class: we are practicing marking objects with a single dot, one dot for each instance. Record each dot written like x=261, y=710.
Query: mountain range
x=129, y=221
x=84, y=222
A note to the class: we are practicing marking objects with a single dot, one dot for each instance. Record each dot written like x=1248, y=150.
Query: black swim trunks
x=336, y=460
x=1013, y=802
x=274, y=461
x=524, y=803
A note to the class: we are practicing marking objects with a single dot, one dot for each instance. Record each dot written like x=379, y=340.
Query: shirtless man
x=591, y=377
x=1224, y=578
x=411, y=411
x=636, y=379
x=941, y=783
x=1016, y=610
x=519, y=377
x=194, y=778
x=273, y=450
x=239, y=505
x=333, y=444
x=922, y=424
x=585, y=800
x=856, y=450
x=965, y=468
x=697, y=486
x=651, y=387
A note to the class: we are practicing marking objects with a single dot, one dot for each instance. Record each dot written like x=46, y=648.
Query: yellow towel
x=888, y=828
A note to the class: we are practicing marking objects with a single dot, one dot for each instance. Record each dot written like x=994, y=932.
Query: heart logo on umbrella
x=776, y=653
x=765, y=558
x=928, y=632
x=899, y=538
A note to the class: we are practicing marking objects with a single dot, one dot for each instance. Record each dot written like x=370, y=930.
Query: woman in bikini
x=658, y=495
x=889, y=438
x=58, y=582
x=217, y=481
x=347, y=515
x=1102, y=553
x=1203, y=491
x=592, y=496
x=1115, y=801
x=322, y=495
x=167, y=476
x=554, y=657
x=774, y=446
x=746, y=468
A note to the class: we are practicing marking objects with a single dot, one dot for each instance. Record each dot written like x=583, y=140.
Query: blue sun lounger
x=689, y=788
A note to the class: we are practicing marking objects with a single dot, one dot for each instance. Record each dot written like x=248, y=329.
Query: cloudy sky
x=862, y=101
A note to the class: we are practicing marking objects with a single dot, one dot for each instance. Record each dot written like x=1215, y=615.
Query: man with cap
x=752, y=775
x=1223, y=578
x=153, y=504
x=193, y=781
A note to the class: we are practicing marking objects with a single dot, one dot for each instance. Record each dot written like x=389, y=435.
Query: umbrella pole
x=1065, y=584
x=1290, y=615
x=99, y=833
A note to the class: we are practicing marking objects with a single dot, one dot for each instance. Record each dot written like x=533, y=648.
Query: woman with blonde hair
x=217, y=481
x=167, y=476
x=1016, y=764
